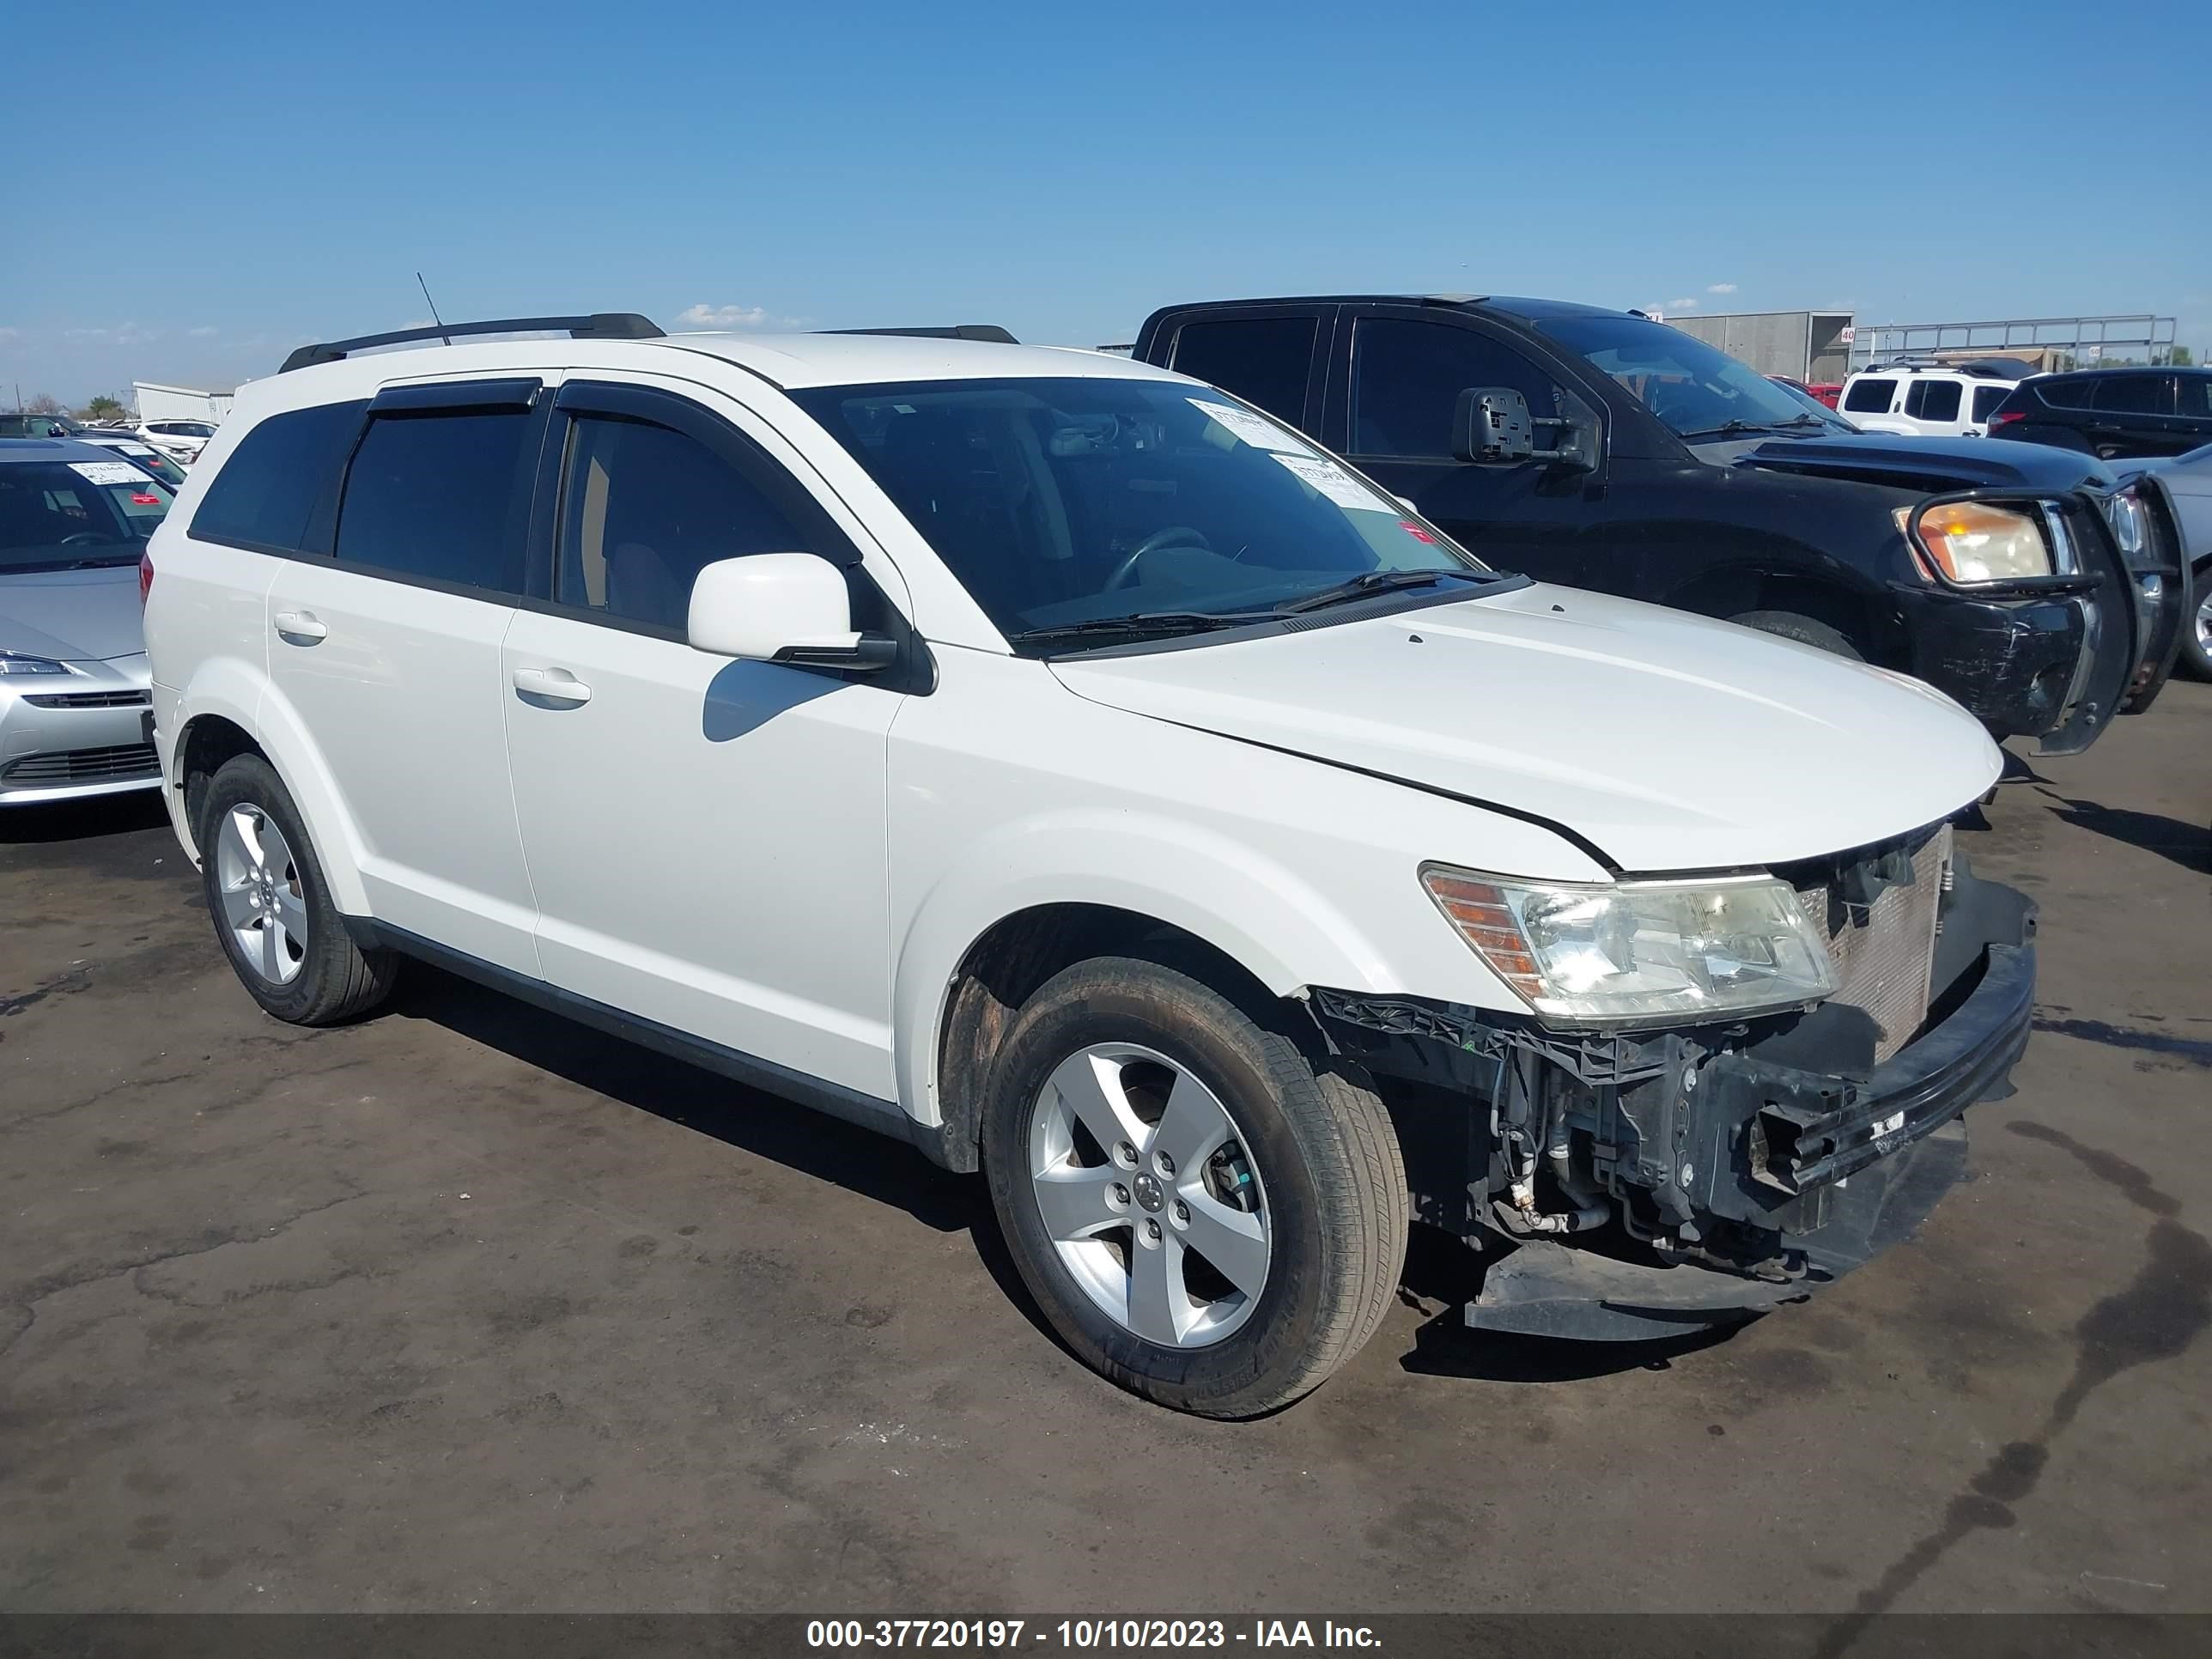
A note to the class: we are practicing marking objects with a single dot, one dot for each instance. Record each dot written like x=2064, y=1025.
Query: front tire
x=1207, y=1213
x=271, y=907
x=1805, y=630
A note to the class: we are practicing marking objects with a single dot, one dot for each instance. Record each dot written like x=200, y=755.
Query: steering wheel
x=84, y=538
x=1174, y=535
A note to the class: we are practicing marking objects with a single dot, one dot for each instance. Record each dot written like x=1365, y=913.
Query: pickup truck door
x=1391, y=412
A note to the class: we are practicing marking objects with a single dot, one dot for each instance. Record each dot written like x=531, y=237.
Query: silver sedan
x=74, y=697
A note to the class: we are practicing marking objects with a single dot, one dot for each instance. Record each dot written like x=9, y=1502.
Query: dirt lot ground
x=466, y=1307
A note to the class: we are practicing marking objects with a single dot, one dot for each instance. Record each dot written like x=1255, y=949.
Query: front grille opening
x=108, y=765
x=1883, y=949
x=90, y=700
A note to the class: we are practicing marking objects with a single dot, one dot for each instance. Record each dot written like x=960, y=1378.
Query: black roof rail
x=990, y=331
x=598, y=325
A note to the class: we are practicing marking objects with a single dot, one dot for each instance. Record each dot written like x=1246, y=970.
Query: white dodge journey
x=1057, y=762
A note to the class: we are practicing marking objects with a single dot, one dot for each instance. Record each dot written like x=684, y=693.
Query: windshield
x=152, y=460
x=1699, y=391
x=1066, y=501
x=58, y=515
x=20, y=425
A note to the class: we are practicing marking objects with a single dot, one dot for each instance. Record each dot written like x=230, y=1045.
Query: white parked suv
x=182, y=441
x=1928, y=398
x=1054, y=761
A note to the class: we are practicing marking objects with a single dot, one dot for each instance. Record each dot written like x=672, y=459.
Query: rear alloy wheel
x=271, y=907
x=2195, y=658
x=1207, y=1211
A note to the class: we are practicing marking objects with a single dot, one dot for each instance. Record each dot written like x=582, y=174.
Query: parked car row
x=179, y=441
x=1077, y=770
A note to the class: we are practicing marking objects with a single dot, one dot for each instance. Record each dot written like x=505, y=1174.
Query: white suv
x=1929, y=399
x=1056, y=762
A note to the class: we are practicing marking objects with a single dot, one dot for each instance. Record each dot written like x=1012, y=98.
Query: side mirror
x=1492, y=427
x=781, y=607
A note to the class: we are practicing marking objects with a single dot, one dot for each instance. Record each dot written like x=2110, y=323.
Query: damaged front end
x=1626, y=1184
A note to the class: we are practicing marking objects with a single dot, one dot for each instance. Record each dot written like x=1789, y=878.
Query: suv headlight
x=2131, y=527
x=1974, y=542
x=12, y=664
x=1640, y=951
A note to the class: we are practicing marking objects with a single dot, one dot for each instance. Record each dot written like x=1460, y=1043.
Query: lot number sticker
x=108, y=472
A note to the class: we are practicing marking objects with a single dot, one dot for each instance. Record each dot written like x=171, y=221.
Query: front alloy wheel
x=1144, y=1185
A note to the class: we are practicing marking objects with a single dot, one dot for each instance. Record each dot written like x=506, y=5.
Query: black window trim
x=1318, y=355
x=914, y=672
x=450, y=395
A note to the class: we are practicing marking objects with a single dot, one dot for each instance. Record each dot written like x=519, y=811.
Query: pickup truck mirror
x=781, y=607
x=1492, y=427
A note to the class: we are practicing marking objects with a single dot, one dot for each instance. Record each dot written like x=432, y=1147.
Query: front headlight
x=12, y=664
x=1639, y=950
x=1973, y=542
x=2131, y=528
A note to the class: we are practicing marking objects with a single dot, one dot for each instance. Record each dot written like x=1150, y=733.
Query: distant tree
x=2183, y=358
x=102, y=407
x=44, y=403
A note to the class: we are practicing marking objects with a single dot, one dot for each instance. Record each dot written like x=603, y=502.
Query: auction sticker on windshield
x=1334, y=482
x=108, y=473
x=1256, y=430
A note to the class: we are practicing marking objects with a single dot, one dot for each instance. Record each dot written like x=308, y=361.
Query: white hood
x=1669, y=742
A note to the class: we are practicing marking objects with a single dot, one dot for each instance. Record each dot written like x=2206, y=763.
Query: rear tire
x=2195, y=657
x=1296, y=1185
x=1789, y=625
x=272, y=906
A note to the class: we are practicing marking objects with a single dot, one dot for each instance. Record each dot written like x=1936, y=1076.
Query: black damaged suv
x=1601, y=449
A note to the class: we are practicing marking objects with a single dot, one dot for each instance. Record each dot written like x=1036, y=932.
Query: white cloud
x=1720, y=288
x=11, y=333
x=1687, y=302
x=201, y=333
x=706, y=316
x=123, y=334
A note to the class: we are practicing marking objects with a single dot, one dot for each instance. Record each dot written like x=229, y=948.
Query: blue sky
x=263, y=174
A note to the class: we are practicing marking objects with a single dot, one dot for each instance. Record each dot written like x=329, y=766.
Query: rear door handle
x=553, y=685
x=300, y=628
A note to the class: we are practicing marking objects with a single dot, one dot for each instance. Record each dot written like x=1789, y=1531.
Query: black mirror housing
x=1492, y=427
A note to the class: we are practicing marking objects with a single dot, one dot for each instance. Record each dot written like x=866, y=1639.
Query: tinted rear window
x=442, y=496
x=2196, y=396
x=1986, y=399
x=2136, y=394
x=1932, y=400
x=266, y=494
x=1263, y=359
x=1869, y=397
x=2067, y=394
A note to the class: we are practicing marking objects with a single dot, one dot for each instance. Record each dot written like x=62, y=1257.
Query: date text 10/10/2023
x=1086, y=1635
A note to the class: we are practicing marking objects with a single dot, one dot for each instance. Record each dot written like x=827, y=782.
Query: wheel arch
x=1858, y=615
x=227, y=717
x=1023, y=904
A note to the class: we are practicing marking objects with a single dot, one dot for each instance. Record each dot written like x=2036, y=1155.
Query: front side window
x=1062, y=502
x=269, y=488
x=183, y=429
x=645, y=508
x=2196, y=396
x=2135, y=394
x=63, y=514
x=1407, y=377
x=1932, y=400
x=442, y=496
x=1263, y=359
x=1697, y=390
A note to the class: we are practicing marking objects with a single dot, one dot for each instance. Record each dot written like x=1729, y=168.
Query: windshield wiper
x=1732, y=429
x=1140, y=624
x=1379, y=581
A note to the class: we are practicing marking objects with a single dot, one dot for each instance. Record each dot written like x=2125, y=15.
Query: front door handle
x=300, y=628
x=556, y=686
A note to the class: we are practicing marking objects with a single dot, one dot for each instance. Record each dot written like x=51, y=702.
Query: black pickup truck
x=1601, y=449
